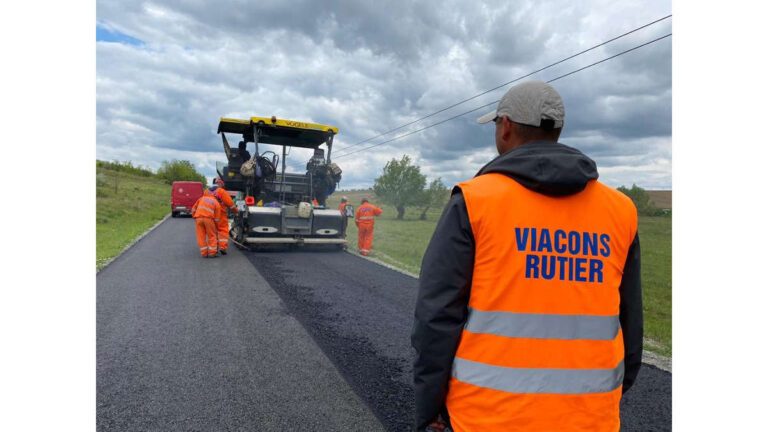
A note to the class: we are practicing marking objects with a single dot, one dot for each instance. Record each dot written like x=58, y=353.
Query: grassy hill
x=129, y=201
x=402, y=243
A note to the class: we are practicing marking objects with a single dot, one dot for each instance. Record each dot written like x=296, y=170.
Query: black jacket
x=446, y=273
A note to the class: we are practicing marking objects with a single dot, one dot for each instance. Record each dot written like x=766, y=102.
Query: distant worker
x=222, y=225
x=529, y=313
x=343, y=211
x=343, y=206
x=364, y=221
x=205, y=212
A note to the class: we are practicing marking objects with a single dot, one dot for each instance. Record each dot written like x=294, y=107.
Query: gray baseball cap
x=529, y=103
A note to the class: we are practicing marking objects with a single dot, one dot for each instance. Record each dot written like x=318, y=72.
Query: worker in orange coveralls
x=206, y=211
x=364, y=221
x=222, y=225
x=343, y=205
x=343, y=211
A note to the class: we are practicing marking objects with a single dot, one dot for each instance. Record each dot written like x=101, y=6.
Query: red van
x=183, y=196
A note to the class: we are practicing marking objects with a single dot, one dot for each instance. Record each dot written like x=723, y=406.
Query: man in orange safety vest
x=364, y=219
x=206, y=212
x=343, y=210
x=529, y=313
x=343, y=206
x=222, y=226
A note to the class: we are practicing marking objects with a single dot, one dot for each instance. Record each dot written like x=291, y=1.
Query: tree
x=179, y=170
x=434, y=196
x=641, y=199
x=401, y=184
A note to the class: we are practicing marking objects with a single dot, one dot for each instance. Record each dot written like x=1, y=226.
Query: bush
x=126, y=167
x=179, y=170
x=436, y=195
x=642, y=201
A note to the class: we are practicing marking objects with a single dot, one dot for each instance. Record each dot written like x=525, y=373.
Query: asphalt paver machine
x=280, y=207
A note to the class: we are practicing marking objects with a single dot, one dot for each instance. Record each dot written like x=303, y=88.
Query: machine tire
x=174, y=214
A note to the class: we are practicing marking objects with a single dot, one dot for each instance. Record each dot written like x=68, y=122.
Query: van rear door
x=184, y=195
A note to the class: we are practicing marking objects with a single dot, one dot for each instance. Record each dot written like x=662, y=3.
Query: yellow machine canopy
x=279, y=131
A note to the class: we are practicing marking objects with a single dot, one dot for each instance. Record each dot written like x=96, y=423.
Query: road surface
x=192, y=344
x=273, y=340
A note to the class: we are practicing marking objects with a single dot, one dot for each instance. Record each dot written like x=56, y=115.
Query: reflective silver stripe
x=543, y=326
x=366, y=217
x=204, y=248
x=534, y=380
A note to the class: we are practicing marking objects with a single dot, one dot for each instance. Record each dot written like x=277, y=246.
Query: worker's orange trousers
x=206, y=236
x=222, y=226
x=365, y=238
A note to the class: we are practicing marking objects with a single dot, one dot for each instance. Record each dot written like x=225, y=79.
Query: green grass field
x=126, y=206
x=402, y=244
x=656, y=274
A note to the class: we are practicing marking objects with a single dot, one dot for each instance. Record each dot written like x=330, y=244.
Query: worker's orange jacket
x=343, y=209
x=206, y=206
x=225, y=200
x=365, y=214
x=542, y=348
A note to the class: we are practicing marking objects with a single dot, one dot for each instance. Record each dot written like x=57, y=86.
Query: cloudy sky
x=167, y=71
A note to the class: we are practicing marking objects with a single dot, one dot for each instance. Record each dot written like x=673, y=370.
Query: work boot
x=223, y=252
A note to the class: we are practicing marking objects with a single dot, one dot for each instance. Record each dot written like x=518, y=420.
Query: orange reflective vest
x=225, y=200
x=206, y=206
x=542, y=348
x=364, y=215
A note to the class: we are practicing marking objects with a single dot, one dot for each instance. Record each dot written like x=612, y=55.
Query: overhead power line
x=506, y=83
x=497, y=101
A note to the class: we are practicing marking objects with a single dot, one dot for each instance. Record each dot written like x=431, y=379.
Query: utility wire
x=506, y=83
x=496, y=101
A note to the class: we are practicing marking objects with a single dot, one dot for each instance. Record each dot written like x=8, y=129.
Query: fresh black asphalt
x=361, y=314
x=192, y=344
x=269, y=341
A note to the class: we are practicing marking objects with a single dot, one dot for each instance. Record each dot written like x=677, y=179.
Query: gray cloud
x=367, y=68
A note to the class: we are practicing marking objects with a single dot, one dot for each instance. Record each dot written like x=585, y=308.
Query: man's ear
x=507, y=129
